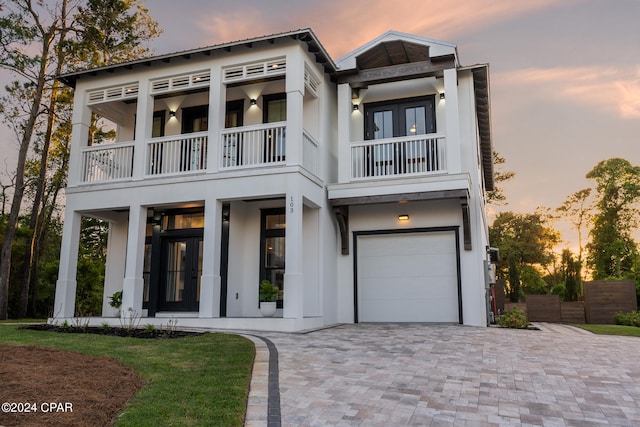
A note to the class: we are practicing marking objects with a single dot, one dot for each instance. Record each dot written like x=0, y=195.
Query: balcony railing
x=415, y=155
x=107, y=162
x=251, y=146
x=177, y=154
x=310, y=155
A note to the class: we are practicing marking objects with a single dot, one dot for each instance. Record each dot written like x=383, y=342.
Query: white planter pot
x=268, y=309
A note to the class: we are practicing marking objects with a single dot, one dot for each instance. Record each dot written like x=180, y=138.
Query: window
x=272, y=248
x=233, y=147
x=157, y=129
x=274, y=110
x=195, y=119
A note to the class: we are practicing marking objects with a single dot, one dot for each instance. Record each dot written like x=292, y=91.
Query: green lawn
x=190, y=381
x=628, y=331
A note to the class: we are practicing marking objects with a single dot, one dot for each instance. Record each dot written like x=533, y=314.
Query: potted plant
x=116, y=302
x=268, y=296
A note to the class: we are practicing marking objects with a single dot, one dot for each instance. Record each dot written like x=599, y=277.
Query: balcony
x=255, y=146
x=399, y=157
x=251, y=146
x=110, y=162
x=177, y=154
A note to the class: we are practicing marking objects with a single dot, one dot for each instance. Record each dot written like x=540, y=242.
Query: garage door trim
x=356, y=234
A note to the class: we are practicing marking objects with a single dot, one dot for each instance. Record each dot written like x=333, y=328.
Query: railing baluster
x=398, y=156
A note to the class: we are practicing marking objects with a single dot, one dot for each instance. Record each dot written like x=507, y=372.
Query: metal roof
x=305, y=35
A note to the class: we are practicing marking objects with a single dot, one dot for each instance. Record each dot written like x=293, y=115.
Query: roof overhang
x=305, y=36
x=483, y=116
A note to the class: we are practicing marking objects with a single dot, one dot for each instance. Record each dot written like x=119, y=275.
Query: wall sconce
x=442, y=95
x=172, y=113
x=356, y=107
x=403, y=217
x=253, y=101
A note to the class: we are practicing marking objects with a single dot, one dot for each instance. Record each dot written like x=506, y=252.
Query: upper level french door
x=393, y=119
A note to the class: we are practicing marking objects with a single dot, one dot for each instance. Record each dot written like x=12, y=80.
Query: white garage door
x=407, y=277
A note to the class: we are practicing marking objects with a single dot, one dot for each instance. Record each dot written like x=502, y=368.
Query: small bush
x=627, y=319
x=513, y=318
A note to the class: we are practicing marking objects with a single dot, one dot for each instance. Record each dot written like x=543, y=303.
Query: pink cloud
x=615, y=90
x=343, y=26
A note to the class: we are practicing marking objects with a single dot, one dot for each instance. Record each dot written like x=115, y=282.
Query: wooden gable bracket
x=466, y=223
x=342, y=218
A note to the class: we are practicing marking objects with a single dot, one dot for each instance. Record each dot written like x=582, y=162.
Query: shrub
x=627, y=319
x=513, y=318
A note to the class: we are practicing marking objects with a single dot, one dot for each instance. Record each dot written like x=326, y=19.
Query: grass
x=23, y=321
x=627, y=331
x=190, y=381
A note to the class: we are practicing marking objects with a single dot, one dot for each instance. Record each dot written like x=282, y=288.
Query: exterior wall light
x=172, y=113
x=356, y=107
x=403, y=217
x=442, y=95
x=253, y=101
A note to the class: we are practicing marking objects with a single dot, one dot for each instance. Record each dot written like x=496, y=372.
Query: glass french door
x=182, y=268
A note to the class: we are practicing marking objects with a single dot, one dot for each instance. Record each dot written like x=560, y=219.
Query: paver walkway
x=441, y=375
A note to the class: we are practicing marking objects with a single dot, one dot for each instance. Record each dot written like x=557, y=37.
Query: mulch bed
x=60, y=388
x=46, y=387
x=113, y=331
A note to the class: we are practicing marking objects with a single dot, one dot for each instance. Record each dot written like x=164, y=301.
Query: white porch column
x=217, y=102
x=454, y=162
x=81, y=120
x=293, y=278
x=65, y=302
x=133, y=285
x=115, y=267
x=144, y=126
x=295, y=107
x=210, y=279
x=345, y=110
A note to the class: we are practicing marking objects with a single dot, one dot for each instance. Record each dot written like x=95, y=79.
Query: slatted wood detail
x=572, y=312
x=543, y=308
x=603, y=298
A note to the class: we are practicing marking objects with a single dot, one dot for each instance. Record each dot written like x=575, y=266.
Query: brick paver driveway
x=427, y=375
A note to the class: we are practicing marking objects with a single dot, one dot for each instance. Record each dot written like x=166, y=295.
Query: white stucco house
x=356, y=186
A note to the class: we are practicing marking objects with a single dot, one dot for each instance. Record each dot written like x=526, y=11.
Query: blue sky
x=565, y=74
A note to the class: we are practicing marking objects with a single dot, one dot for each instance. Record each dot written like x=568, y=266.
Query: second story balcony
x=398, y=157
x=246, y=147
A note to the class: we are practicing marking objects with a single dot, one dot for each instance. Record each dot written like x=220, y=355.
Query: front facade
x=356, y=187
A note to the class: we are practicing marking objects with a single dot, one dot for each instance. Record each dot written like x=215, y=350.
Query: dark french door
x=181, y=271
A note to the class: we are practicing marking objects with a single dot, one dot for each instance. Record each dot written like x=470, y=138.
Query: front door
x=182, y=268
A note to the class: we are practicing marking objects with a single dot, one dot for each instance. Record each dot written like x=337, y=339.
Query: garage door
x=407, y=277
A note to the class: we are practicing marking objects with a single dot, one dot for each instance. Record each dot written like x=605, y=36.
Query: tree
x=496, y=196
x=38, y=41
x=528, y=238
x=514, y=280
x=612, y=251
x=524, y=240
x=577, y=210
x=571, y=276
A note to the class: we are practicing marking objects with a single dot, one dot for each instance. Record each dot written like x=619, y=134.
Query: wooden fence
x=602, y=299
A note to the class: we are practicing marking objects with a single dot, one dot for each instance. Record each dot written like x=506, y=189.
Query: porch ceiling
x=394, y=52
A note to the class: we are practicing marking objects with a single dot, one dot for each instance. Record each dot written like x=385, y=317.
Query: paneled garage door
x=407, y=277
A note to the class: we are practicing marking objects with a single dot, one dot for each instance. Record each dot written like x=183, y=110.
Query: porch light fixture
x=172, y=113
x=442, y=95
x=356, y=107
x=403, y=217
x=253, y=101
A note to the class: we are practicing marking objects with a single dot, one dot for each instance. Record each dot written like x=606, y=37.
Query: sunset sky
x=565, y=74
